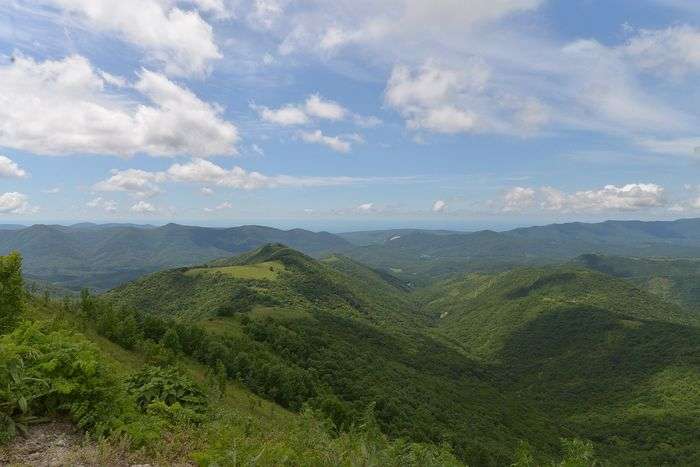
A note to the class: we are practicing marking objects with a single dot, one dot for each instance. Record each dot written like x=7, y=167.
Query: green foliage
x=166, y=387
x=51, y=372
x=11, y=291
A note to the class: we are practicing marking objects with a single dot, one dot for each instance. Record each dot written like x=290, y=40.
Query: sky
x=352, y=113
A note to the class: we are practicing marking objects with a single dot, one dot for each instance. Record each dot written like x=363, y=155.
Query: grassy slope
x=619, y=365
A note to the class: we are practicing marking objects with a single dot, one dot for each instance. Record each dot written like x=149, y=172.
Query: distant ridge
x=103, y=256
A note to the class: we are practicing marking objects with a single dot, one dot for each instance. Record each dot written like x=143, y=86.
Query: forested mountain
x=574, y=352
x=103, y=256
x=613, y=363
x=480, y=369
x=674, y=279
x=423, y=255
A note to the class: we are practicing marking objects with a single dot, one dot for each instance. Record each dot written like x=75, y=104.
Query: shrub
x=168, y=392
x=48, y=372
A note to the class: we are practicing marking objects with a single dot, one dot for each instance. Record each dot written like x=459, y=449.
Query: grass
x=268, y=270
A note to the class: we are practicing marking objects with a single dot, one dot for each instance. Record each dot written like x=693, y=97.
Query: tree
x=11, y=291
x=172, y=341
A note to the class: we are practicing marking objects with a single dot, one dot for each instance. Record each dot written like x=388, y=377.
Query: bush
x=166, y=391
x=49, y=372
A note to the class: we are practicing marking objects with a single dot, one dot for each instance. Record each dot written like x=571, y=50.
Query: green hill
x=145, y=402
x=618, y=365
x=356, y=332
x=674, y=279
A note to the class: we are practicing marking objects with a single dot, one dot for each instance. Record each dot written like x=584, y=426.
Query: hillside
x=104, y=256
x=355, y=331
x=617, y=364
x=72, y=396
x=674, y=279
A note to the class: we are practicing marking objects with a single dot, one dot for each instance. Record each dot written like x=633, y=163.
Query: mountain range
x=104, y=256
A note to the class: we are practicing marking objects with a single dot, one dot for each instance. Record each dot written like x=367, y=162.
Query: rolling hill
x=355, y=331
x=618, y=365
x=674, y=279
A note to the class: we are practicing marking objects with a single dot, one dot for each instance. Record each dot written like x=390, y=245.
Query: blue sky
x=351, y=113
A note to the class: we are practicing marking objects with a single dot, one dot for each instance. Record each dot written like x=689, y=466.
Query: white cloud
x=285, y=116
x=450, y=100
x=325, y=27
x=15, y=203
x=219, y=207
x=265, y=13
x=366, y=207
x=439, y=206
x=179, y=39
x=206, y=191
x=137, y=182
x=334, y=142
x=51, y=191
x=99, y=202
x=518, y=198
x=673, y=51
x=64, y=106
x=316, y=106
x=630, y=197
x=684, y=147
x=366, y=121
x=142, y=207
x=141, y=183
x=10, y=169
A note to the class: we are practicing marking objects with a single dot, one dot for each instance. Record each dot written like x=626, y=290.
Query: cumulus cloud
x=206, y=191
x=630, y=197
x=316, y=106
x=15, y=203
x=336, y=143
x=143, y=207
x=179, y=39
x=518, y=198
x=366, y=207
x=140, y=183
x=10, y=169
x=439, y=206
x=286, y=116
x=59, y=107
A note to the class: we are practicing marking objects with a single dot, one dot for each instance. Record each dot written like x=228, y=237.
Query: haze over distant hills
x=102, y=256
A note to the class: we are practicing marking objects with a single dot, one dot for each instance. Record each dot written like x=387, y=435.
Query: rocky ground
x=49, y=444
